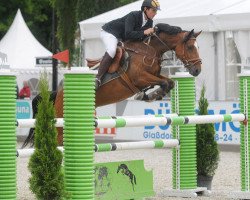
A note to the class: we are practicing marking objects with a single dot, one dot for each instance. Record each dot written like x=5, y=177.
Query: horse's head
x=187, y=51
x=183, y=43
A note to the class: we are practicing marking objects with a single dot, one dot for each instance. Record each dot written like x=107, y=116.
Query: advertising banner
x=226, y=133
x=23, y=111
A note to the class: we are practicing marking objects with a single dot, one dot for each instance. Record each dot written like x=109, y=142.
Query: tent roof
x=21, y=46
x=208, y=15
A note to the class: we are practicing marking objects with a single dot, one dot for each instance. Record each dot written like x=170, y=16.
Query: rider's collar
x=144, y=21
x=145, y=15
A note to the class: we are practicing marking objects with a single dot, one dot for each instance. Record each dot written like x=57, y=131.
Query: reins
x=145, y=55
x=187, y=62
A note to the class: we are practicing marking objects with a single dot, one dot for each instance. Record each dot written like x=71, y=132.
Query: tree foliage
x=207, y=147
x=46, y=180
x=90, y=8
x=38, y=16
x=36, y=13
x=67, y=24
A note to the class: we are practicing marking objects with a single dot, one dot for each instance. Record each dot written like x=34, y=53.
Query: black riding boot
x=103, y=68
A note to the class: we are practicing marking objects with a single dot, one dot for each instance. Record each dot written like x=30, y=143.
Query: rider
x=134, y=26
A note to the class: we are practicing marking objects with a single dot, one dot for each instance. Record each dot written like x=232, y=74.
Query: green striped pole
x=79, y=108
x=184, y=158
x=244, y=131
x=7, y=136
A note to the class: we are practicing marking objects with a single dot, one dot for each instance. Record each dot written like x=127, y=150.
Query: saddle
x=116, y=64
x=117, y=69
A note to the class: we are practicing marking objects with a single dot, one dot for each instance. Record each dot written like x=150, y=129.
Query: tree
x=37, y=14
x=207, y=147
x=67, y=24
x=91, y=8
x=46, y=180
x=40, y=21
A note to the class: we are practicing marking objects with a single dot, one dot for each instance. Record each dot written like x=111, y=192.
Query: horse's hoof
x=158, y=98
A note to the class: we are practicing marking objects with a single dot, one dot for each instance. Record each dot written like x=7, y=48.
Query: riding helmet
x=151, y=4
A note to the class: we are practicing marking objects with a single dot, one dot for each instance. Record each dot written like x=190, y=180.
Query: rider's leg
x=104, y=65
x=110, y=42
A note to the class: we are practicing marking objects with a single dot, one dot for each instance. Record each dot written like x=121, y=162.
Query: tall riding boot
x=103, y=68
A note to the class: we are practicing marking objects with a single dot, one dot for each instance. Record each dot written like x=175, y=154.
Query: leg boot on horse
x=103, y=68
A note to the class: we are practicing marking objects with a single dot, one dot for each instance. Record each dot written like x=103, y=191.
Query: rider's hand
x=149, y=31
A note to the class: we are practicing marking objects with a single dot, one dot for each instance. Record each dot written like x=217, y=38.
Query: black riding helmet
x=150, y=4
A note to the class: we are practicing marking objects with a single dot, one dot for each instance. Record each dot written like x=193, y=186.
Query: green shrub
x=207, y=147
x=45, y=164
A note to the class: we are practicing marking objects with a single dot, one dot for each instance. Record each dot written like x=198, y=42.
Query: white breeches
x=110, y=42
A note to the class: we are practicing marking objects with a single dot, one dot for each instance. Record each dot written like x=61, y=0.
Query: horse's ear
x=188, y=36
x=196, y=34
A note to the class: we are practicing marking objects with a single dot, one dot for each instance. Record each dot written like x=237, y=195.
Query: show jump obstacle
x=79, y=124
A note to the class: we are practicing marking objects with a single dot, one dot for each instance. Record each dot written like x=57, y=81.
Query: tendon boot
x=97, y=83
x=103, y=68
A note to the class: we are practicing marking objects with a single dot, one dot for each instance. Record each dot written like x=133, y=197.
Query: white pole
x=207, y=119
x=148, y=120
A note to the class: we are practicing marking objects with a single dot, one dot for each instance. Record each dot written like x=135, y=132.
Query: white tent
x=207, y=15
x=226, y=29
x=21, y=46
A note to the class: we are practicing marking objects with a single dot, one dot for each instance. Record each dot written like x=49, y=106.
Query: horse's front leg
x=165, y=84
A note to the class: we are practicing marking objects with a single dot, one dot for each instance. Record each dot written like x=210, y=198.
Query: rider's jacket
x=128, y=27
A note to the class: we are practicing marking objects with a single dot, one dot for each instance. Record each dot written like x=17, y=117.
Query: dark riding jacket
x=128, y=27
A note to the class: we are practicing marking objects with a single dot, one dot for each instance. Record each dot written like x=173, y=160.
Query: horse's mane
x=166, y=28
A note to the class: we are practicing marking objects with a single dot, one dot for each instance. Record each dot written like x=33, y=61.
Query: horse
x=143, y=66
x=125, y=171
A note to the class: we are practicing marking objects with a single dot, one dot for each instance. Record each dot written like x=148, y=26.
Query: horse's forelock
x=166, y=28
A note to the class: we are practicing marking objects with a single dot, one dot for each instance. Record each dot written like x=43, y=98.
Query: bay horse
x=144, y=67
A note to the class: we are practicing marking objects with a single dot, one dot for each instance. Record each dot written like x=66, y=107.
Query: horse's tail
x=29, y=139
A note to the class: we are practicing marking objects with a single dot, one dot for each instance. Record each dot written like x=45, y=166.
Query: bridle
x=187, y=62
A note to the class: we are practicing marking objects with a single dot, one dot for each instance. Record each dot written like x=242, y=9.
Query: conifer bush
x=45, y=165
x=207, y=147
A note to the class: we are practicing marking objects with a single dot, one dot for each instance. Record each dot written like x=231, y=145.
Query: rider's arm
x=132, y=29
